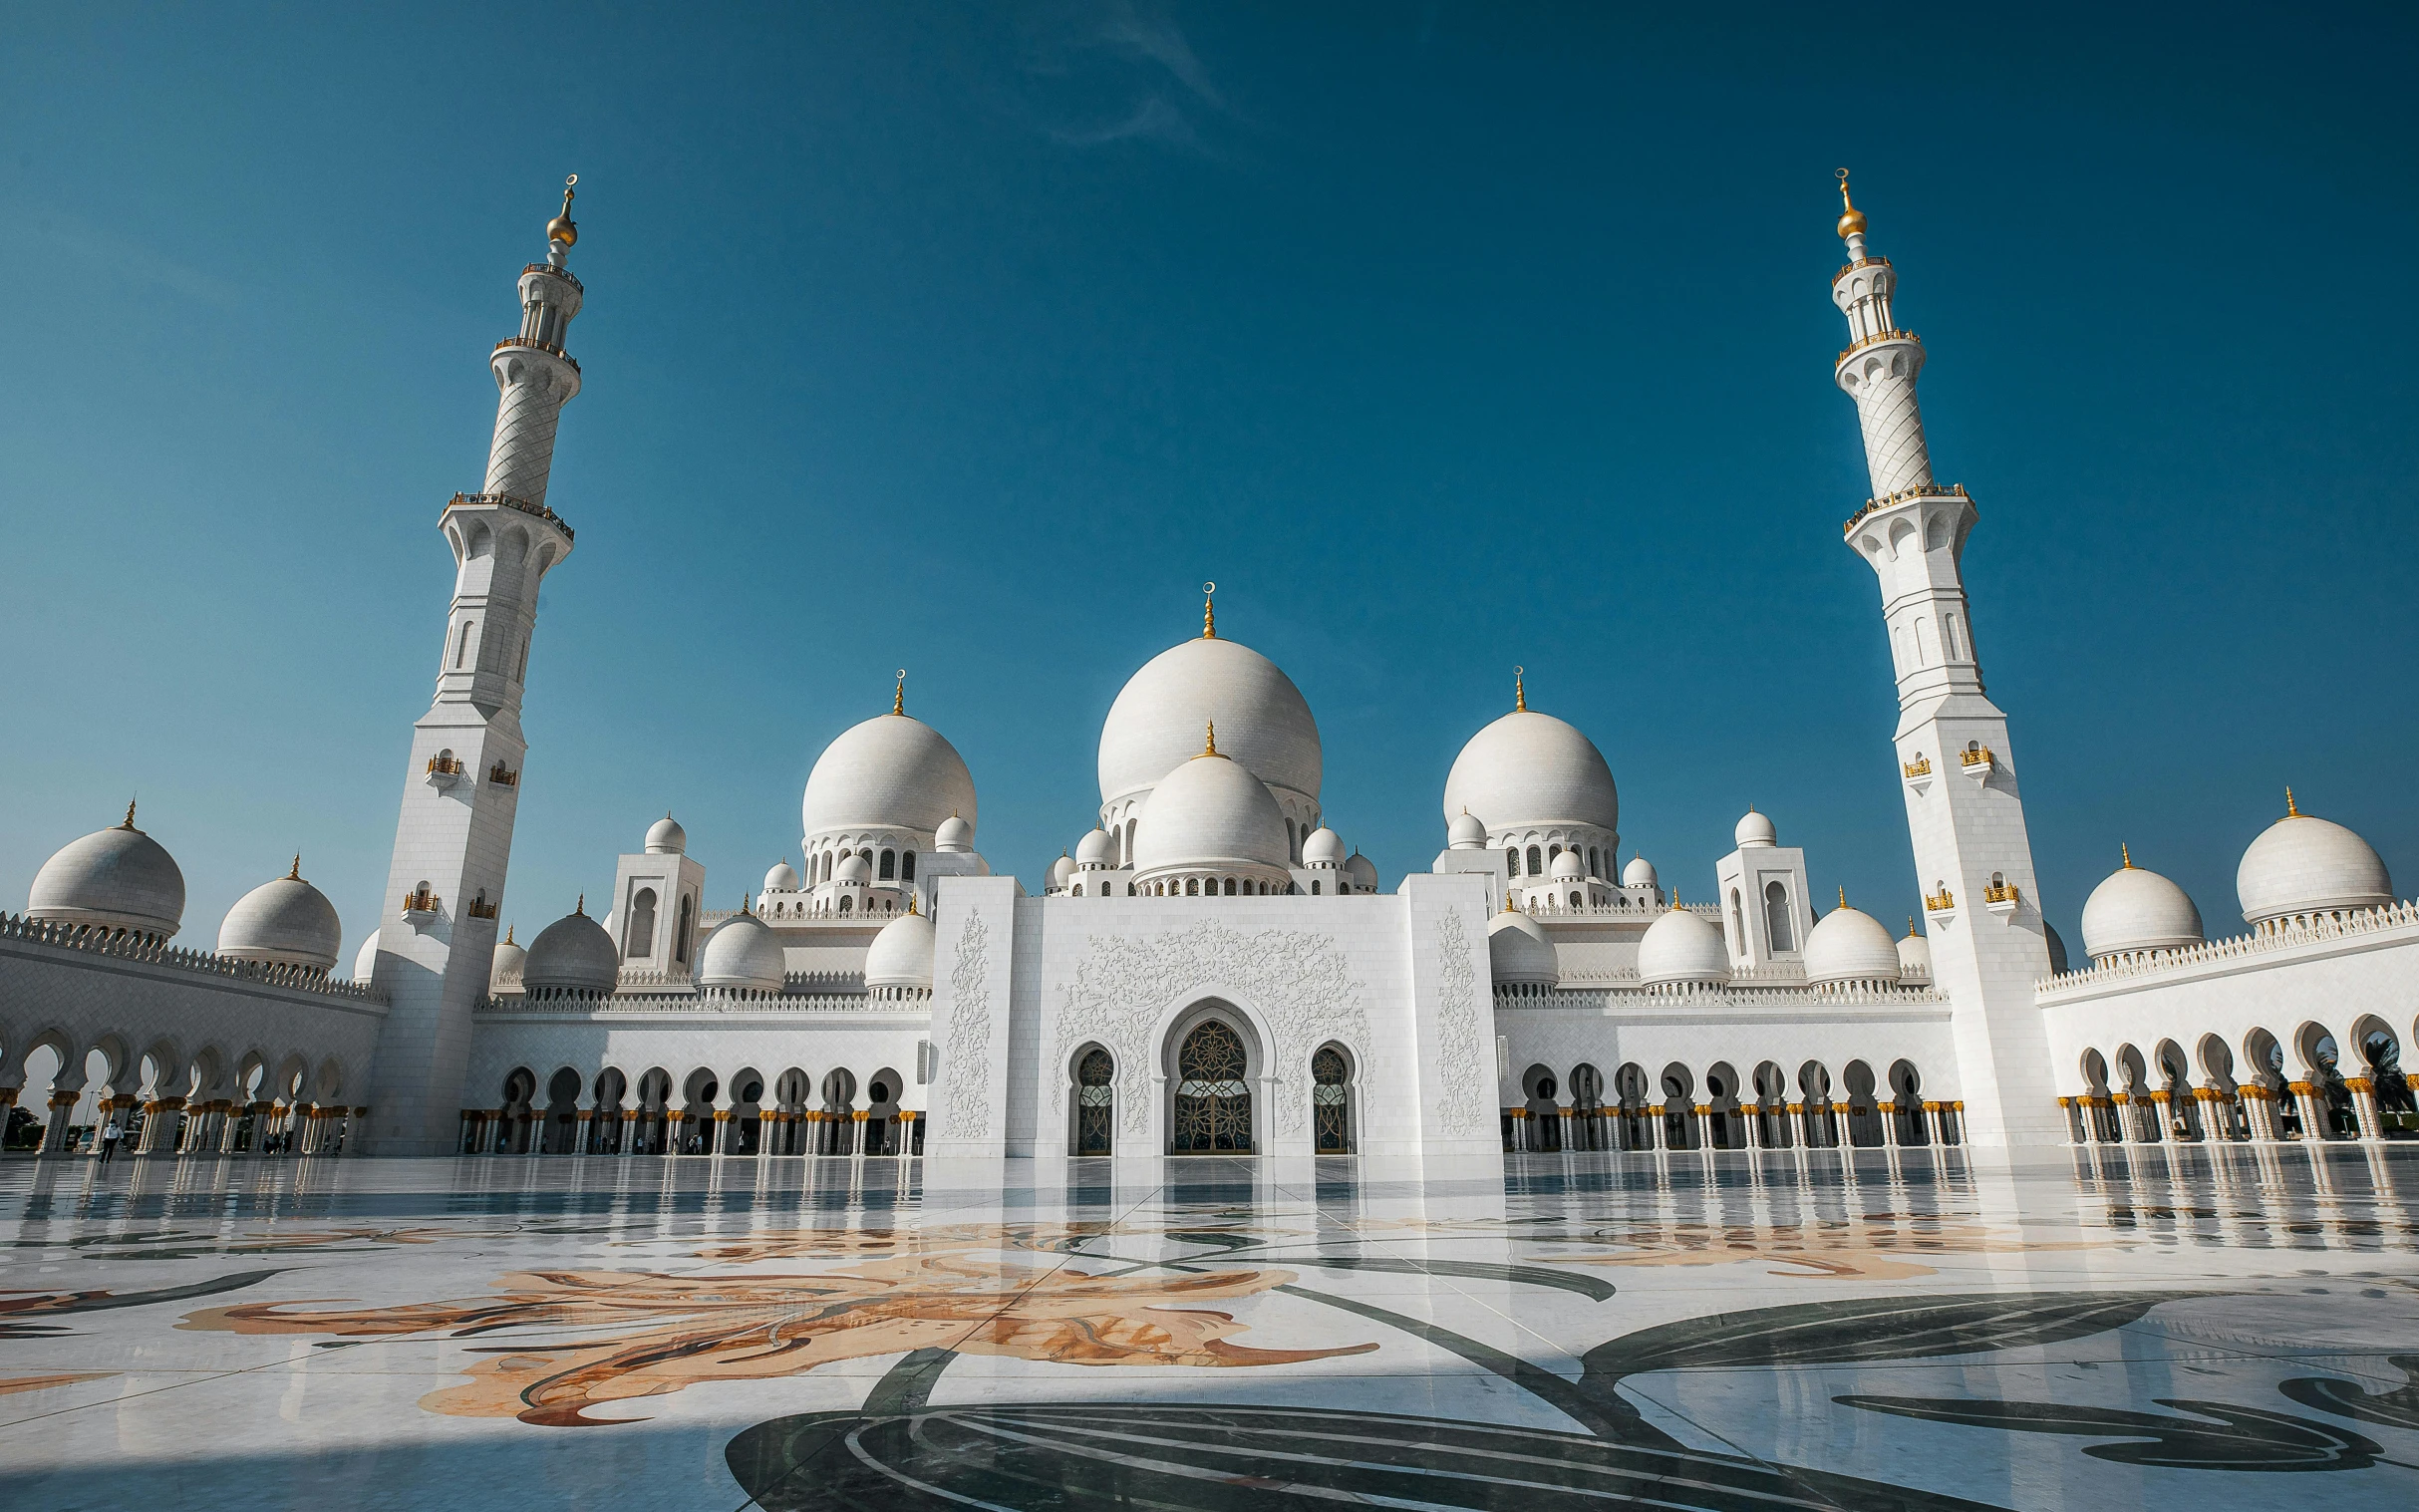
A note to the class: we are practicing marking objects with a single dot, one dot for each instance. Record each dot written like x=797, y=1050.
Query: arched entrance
x=1095, y=1102
x=1331, y=1101
x=1213, y=1111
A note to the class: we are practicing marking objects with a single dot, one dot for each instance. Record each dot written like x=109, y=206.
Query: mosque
x=1209, y=968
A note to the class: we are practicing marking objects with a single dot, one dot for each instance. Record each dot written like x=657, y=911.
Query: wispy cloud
x=47, y=228
x=1123, y=73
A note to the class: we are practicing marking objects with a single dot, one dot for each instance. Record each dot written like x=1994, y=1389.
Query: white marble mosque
x=1210, y=969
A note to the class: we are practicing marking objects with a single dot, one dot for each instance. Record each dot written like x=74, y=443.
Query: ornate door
x=1330, y=1102
x=1094, y=1102
x=1213, y=1111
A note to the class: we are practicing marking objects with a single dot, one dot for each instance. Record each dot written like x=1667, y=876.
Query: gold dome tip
x=2126, y=852
x=1843, y=896
x=898, y=699
x=561, y=228
x=1852, y=220
x=1520, y=691
x=2293, y=811
x=1209, y=611
x=294, y=872
x=130, y=815
x=508, y=939
x=1209, y=741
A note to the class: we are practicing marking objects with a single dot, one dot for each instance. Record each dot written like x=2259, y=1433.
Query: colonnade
x=679, y=1131
x=177, y=1126
x=1748, y=1125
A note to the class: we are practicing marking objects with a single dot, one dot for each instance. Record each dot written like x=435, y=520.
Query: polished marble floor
x=1856, y=1329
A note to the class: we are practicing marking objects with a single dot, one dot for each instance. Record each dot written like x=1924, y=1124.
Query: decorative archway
x=1095, y=1102
x=1213, y=1093
x=1330, y=1102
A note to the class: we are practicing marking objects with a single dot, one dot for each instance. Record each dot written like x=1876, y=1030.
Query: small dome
x=666, y=837
x=1362, y=871
x=853, y=868
x=742, y=952
x=892, y=771
x=1099, y=848
x=1915, y=956
x=2302, y=865
x=511, y=964
x=1323, y=848
x=1682, y=946
x=1570, y=867
x=116, y=878
x=1519, y=954
x=1639, y=873
x=1755, y=829
x=1155, y=723
x=2138, y=910
x=1210, y=812
x=2057, y=949
x=572, y=952
x=1849, y=945
x=1532, y=768
x=365, y=960
x=782, y=878
x=1062, y=872
x=287, y=922
x=901, y=955
x=1467, y=832
x=955, y=836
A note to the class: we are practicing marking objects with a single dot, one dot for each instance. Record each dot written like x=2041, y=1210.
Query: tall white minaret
x=437, y=937
x=1972, y=857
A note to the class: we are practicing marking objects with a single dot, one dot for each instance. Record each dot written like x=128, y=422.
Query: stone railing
x=706, y=1001
x=511, y=501
x=1921, y=491
x=1846, y=268
x=1715, y=997
x=1636, y=910
x=535, y=344
x=1875, y=340
x=566, y=275
x=2355, y=924
x=121, y=946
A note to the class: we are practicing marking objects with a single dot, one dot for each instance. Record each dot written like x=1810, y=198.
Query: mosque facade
x=1209, y=969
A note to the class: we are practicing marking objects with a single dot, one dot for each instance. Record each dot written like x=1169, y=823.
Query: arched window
x=1949, y=637
x=907, y=866
x=522, y=674
x=1776, y=916
x=1192, y=886
x=889, y=869
x=1575, y=900
x=638, y=935
x=1230, y=887
x=845, y=900
x=1330, y=1102
x=1314, y=890
x=461, y=648
x=1079, y=889
x=1293, y=846
x=681, y=934
x=1213, y=1113
x=1593, y=870
x=1923, y=642
x=1094, y=1102
x=1536, y=863
x=1511, y=862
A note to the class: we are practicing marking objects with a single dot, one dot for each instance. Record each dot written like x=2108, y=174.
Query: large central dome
x=891, y=772
x=1155, y=724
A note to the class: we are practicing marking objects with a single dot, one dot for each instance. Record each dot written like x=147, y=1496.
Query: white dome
x=1063, y=870
x=1323, y=848
x=892, y=771
x=2138, y=910
x=116, y=878
x=852, y=868
x=901, y=955
x=504, y=974
x=782, y=878
x=1362, y=871
x=2301, y=865
x=1915, y=957
x=742, y=952
x=1155, y=724
x=1467, y=832
x=1532, y=768
x=1519, y=954
x=1682, y=946
x=955, y=836
x=1849, y=945
x=287, y=922
x=572, y=952
x=365, y=960
x=1755, y=829
x=1568, y=867
x=1639, y=873
x=1096, y=849
x=666, y=837
x=1210, y=812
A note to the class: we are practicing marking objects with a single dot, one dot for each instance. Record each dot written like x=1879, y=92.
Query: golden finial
x=1209, y=741
x=509, y=932
x=1910, y=926
x=2291, y=811
x=898, y=697
x=1209, y=611
x=911, y=900
x=1852, y=220
x=294, y=872
x=1520, y=690
x=747, y=898
x=2126, y=852
x=130, y=815
x=1843, y=895
x=581, y=907
x=560, y=227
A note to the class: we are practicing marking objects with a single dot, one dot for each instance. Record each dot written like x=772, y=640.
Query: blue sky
x=973, y=338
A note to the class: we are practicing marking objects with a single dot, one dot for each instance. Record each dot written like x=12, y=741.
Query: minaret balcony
x=2002, y=899
x=535, y=344
x=507, y=501
x=1889, y=501
x=501, y=775
x=445, y=769
x=1918, y=774
x=1875, y=340
x=422, y=908
x=1977, y=764
x=1940, y=907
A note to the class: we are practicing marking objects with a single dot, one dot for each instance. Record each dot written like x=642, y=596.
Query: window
x=1593, y=869
x=637, y=933
x=889, y=869
x=1094, y=1102
x=461, y=648
x=1230, y=887
x=1192, y=888
x=1314, y=890
x=1776, y=916
x=1536, y=863
x=1511, y=862
x=680, y=938
x=845, y=900
x=1330, y=1102
x=1079, y=889
x=1213, y=1111
x=907, y=866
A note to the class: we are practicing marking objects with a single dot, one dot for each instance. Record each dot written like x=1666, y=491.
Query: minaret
x=437, y=937
x=1972, y=857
